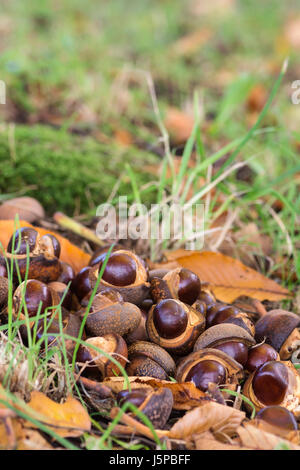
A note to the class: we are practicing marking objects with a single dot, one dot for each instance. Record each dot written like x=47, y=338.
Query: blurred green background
x=78, y=101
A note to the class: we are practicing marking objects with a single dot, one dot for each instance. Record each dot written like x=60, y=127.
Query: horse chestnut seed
x=170, y=319
x=234, y=349
x=218, y=313
x=205, y=372
x=81, y=284
x=278, y=416
x=36, y=293
x=270, y=383
x=120, y=270
x=189, y=286
x=23, y=237
x=136, y=397
x=260, y=354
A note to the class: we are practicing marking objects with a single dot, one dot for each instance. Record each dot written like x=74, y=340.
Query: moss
x=67, y=171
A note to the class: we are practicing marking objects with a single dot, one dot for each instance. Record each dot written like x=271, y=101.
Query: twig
x=137, y=426
x=76, y=227
x=101, y=390
x=259, y=307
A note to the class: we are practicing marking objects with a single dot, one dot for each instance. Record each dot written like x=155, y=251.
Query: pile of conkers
x=161, y=324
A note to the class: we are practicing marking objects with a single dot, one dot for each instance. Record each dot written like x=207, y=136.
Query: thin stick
x=259, y=307
x=137, y=426
x=101, y=390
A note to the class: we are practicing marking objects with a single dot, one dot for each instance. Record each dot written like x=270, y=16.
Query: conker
x=169, y=318
x=258, y=355
x=205, y=372
x=23, y=238
x=189, y=286
x=234, y=349
x=278, y=416
x=36, y=293
x=120, y=270
x=270, y=383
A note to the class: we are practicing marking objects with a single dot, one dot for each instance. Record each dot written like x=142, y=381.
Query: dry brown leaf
x=21, y=438
x=206, y=441
x=191, y=42
x=70, y=253
x=70, y=419
x=257, y=98
x=257, y=439
x=123, y=137
x=293, y=436
x=179, y=125
x=227, y=277
x=221, y=420
x=186, y=395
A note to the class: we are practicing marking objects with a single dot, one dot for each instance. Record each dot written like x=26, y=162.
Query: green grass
x=63, y=171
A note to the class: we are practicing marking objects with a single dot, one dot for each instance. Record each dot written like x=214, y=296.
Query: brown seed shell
x=275, y=327
x=154, y=352
x=119, y=318
x=218, y=334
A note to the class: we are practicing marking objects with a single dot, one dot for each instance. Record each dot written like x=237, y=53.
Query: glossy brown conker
x=278, y=416
x=258, y=355
x=205, y=372
x=170, y=319
x=24, y=239
x=189, y=286
x=36, y=293
x=270, y=383
x=235, y=349
x=81, y=284
x=120, y=270
x=218, y=313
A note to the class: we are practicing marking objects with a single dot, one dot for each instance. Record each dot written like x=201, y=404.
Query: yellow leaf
x=69, y=419
x=227, y=277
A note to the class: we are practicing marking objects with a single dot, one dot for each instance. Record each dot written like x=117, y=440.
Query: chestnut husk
x=134, y=293
x=184, y=342
x=150, y=360
x=110, y=314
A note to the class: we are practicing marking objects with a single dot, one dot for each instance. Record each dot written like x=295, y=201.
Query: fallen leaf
x=179, y=125
x=257, y=98
x=227, y=277
x=293, y=436
x=21, y=438
x=257, y=439
x=186, y=395
x=191, y=42
x=69, y=419
x=70, y=253
x=123, y=137
x=220, y=420
x=206, y=441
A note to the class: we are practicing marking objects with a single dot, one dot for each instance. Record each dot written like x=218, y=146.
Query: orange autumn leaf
x=69, y=253
x=69, y=419
x=227, y=277
x=191, y=43
x=179, y=125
